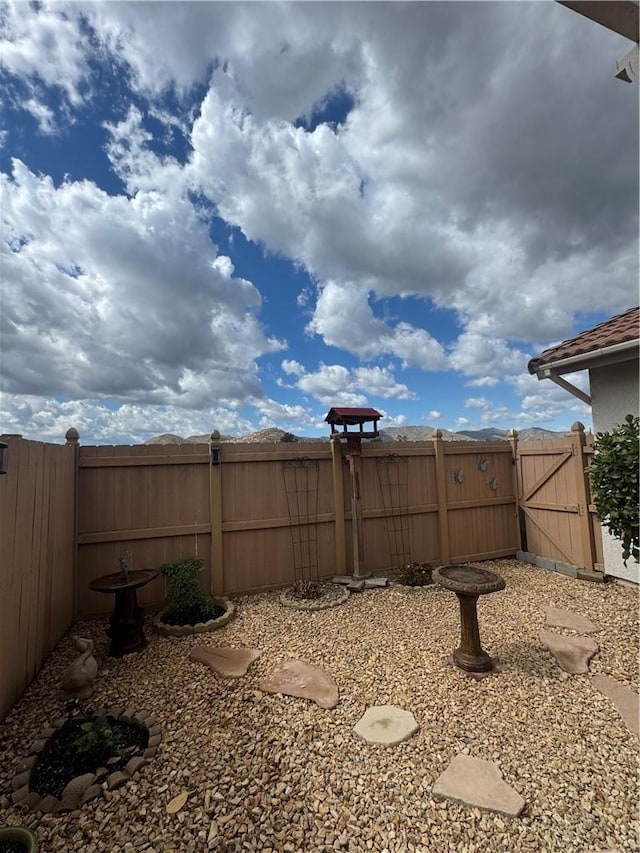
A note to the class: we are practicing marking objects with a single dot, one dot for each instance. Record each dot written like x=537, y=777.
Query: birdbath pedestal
x=469, y=582
x=127, y=620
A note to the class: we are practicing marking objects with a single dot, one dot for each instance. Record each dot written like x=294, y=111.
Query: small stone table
x=469, y=582
x=127, y=620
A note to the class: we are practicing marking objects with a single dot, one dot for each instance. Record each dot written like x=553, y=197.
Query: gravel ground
x=276, y=773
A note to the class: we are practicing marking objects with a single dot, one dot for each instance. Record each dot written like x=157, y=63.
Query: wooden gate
x=558, y=521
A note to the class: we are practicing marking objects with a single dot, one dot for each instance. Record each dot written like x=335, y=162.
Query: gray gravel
x=276, y=773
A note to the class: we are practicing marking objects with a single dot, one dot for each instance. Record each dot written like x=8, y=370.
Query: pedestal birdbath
x=469, y=582
x=126, y=622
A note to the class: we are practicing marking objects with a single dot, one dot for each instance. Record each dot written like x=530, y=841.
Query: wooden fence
x=259, y=514
x=37, y=547
x=242, y=514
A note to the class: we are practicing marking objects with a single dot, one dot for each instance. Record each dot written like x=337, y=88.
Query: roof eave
x=585, y=361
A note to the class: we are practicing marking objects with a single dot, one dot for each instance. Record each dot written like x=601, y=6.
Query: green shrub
x=187, y=604
x=613, y=474
x=97, y=738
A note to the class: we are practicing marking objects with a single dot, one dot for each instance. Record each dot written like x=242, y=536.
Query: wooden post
x=583, y=494
x=521, y=530
x=215, y=508
x=72, y=438
x=338, y=505
x=353, y=446
x=441, y=490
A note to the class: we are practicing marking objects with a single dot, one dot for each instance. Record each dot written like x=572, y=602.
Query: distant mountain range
x=407, y=433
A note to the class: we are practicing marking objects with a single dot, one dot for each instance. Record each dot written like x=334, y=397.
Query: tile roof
x=618, y=330
x=351, y=416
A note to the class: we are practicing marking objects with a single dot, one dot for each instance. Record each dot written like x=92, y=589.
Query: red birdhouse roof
x=351, y=416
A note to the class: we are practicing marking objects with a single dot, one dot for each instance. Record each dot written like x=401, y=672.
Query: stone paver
x=478, y=783
x=559, y=618
x=225, y=660
x=572, y=654
x=297, y=678
x=386, y=724
x=626, y=701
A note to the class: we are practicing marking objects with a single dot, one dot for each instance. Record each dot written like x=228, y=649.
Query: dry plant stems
x=416, y=574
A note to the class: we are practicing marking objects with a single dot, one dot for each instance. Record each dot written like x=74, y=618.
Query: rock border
x=342, y=594
x=166, y=630
x=82, y=789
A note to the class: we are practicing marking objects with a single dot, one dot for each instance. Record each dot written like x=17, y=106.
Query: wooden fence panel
x=559, y=520
x=37, y=559
x=147, y=501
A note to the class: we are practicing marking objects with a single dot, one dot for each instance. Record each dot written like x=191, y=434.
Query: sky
x=236, y=215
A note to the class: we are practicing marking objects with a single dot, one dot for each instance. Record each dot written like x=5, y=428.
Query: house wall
x=614, y=394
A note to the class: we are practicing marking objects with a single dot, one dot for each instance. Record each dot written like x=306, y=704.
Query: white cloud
x=434, y=415
x=128, y=300
x=336, y=385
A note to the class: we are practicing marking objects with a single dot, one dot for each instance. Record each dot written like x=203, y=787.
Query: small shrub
x=614, y=483
x=187, y=604
x=288, y=437
x=98, y=739
x=416, y=574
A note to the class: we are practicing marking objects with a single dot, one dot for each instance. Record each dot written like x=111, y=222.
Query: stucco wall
x=615, y=394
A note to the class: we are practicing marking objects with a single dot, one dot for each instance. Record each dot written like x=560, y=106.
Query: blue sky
x=234, y=216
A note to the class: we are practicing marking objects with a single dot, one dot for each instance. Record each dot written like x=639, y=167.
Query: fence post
x=441, y=490
x=72, y=439
x=521, y=529
x=583, y=494
x=215, y=509
x=338, y=505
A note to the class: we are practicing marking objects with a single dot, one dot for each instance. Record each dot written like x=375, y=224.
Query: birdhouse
x=353, y=418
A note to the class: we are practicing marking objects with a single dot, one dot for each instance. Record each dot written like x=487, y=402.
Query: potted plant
x=189, y=610
x=17, y=839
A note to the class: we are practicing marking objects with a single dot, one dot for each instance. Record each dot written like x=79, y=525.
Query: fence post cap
x=72, y=435
x=437, y=433
x=215, y=435
x=512, y=433
x=576, y=426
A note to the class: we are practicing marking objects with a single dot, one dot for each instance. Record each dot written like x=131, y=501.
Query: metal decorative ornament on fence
x=393, y=478
x=301, y=487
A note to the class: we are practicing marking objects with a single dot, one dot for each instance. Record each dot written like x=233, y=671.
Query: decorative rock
x=67, y=804
x=38, y=745
x=117, y=779
x=21, y=779
x=386, y=724
x=227, y=661
x=572, y=654
x=372, y=583
x=91, y=793
x=19, y=794
x=296, y=678
x=478, y=783
x=134, y=764
x=559, y=618
x=626, y=701
x=154, y=740
x=77, y=681
x=79, y=785
x=149, y=752
x=48, y=804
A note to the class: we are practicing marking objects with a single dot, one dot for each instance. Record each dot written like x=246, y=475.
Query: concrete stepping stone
x=478, y=783
x=559, y=618
x=386, y=724
x=572, y=654
x=232, y=662
x=626, y=701
x=297, y=678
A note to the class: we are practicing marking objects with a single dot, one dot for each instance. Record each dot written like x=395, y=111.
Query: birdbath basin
x=469, y=582
x=127, y=620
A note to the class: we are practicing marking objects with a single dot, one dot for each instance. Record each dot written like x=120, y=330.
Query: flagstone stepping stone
x=572, y=654
x=626, y=701
x=297, y=678
x=478, y=783
x=559, y=618
x=386, y=724
x=224, y=660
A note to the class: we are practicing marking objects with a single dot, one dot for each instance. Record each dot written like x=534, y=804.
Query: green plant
x=97, y=738
x=187, y=604
x=288, y=437
x=613, y=474
x=416, y=574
